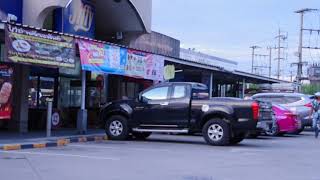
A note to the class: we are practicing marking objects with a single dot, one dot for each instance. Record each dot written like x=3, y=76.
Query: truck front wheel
x=216, y=132
x=117, y=128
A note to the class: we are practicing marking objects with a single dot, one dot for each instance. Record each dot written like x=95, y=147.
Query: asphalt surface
x=165, y=157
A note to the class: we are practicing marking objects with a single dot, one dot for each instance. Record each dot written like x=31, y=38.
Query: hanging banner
x=136, y=63
x=110, y=59
x=31, y=46
x=102, y=58
x=155, y=68
x=6, y=81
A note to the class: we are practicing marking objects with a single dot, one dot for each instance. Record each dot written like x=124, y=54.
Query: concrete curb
x=54, y=143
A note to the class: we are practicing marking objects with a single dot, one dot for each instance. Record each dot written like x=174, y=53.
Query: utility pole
x=270, y=59
x=253, y=54
x=300, y=62
x=279, y=58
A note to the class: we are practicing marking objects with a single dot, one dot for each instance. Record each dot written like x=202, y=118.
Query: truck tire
x=216, y=132
x=141, y=135
x=117, y=128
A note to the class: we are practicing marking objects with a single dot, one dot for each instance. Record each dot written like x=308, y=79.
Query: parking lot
x=168, y=157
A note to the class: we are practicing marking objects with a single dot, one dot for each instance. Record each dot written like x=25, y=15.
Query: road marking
x=59, y=154
x=117, y=148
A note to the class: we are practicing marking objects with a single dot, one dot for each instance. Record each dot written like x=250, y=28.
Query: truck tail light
x=255, y=110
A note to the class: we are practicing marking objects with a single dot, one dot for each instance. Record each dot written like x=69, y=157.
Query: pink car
x=286, y=121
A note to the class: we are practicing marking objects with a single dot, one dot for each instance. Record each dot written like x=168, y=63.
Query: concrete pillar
x=19, y=121
x=211, y=85
x=243, y=87
x=82, y=113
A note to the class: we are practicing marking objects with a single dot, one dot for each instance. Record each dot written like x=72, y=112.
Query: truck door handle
x=164, y=104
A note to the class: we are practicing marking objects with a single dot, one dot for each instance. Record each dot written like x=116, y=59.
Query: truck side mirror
x=140, y=98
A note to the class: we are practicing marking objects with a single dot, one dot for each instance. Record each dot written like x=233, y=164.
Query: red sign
x=6, y=72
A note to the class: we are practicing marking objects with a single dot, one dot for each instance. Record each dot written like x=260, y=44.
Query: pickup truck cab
x=181, y=107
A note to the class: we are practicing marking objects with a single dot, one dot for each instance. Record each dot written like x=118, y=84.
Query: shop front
x=41, y=65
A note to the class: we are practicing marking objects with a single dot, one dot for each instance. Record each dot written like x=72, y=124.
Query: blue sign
x=78, y=18
x=14, y=7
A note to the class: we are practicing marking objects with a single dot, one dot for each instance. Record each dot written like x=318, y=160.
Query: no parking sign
x=55, y=119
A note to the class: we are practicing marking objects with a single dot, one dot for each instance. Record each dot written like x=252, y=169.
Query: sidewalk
x=15, y=141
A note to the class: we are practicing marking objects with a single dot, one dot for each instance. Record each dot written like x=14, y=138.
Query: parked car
x=181, y=108
x=286, y=121
x=299, y=104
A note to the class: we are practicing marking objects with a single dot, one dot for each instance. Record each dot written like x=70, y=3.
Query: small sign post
x=49, y=114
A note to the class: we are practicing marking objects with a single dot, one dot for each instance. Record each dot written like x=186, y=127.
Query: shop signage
x=11, y=10
x=78, y=19
x=6, y=81
x=157, y=43
x=115, y=60
x=103, y=58
x=30, y=46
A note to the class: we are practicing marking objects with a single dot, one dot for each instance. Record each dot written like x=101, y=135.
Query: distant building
x=198, y=57
x=314, y=73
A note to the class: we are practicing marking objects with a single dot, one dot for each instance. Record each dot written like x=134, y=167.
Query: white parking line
x=59, y=154
x=118, y=148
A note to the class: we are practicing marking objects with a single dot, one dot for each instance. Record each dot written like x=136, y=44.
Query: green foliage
x=310, y=88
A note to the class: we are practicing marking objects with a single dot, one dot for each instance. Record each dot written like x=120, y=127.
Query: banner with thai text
x=32, y=46
x=111, y=59
x=102, y=58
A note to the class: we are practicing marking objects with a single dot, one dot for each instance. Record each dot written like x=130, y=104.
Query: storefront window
x=2, y=50
x=33, y=92
x=41, y=88
x=69, y=93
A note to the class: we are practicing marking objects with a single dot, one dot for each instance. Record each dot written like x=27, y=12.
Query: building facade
x=82, y=54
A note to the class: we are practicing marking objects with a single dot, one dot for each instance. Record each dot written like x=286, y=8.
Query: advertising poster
x=136, y=63
x=30, y=46
x=99, y=57
x=154, y=68
x=5, y=91
x=104, y=58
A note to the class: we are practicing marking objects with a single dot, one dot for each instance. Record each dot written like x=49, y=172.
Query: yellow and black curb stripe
x=54, y=143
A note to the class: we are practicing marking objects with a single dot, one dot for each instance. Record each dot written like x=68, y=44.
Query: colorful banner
x=6, y=81
x=103, y=58
x=31, y=46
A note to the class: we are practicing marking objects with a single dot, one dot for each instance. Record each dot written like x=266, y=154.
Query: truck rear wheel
x=117, y=128
x=216, y=132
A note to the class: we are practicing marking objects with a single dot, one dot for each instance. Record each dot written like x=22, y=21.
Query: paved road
x=169, y=157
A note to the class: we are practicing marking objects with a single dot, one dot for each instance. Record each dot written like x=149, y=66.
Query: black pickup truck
x=181, y=107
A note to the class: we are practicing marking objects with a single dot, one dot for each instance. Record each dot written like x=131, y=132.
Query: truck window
x=179, y=91
x=200, y=94
x=159, y=93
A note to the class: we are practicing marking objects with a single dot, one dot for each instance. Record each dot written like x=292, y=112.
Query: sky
x=227, y=28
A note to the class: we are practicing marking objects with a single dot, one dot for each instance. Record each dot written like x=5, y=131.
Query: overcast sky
x=227, y=28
